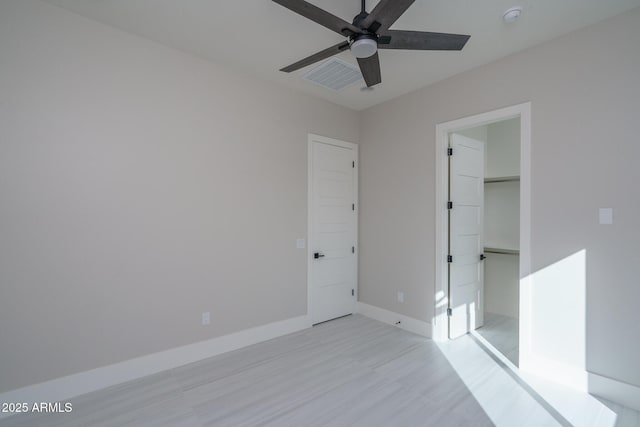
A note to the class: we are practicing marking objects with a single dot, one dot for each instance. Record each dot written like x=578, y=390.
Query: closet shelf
x=502, y=251
x=502, y=179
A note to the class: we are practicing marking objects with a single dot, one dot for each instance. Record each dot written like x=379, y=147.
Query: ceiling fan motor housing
x=364, y=45
x=359, y=18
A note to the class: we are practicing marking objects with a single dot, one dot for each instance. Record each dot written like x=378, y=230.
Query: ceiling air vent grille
x=334, y=74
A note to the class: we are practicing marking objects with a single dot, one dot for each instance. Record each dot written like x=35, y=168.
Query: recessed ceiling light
x=512, y=15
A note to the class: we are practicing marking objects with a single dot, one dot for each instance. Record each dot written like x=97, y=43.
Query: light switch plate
x=300, y=243
x=401, y=297
x=206, y=318
x=606, y=216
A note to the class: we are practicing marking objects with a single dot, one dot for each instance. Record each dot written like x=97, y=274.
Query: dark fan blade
x=385, y=14
x=333, y=50
x=320, y=16
x=418, y=40
x=370, y=68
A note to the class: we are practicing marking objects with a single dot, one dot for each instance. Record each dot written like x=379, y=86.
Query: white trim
x=332, y=141
x=309, y=221
x=614, y=390
x=65, y=388
x=311, y=138
x=526, y=296
x=410, y=324
x=523, y=111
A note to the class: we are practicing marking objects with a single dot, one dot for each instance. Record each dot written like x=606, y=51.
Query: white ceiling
x=260, y=37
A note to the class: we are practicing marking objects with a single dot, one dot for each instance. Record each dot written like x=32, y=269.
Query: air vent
x=334, y=74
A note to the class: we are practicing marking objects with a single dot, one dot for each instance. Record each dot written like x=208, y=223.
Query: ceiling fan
x=369, y=32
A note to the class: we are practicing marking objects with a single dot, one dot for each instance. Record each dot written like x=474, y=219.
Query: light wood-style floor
x=352, y=371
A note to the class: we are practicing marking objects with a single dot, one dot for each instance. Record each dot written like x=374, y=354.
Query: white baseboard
x=407, y=323
x=65, y=388
x=615, y=391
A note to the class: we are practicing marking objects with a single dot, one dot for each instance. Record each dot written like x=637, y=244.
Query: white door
x=466, y=242
x=332, y=228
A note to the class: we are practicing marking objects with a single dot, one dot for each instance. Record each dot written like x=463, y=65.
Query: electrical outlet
x=300, y=244
x=206, y=318
x=401, y=297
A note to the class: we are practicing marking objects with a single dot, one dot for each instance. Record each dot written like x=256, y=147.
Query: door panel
x=468, y=219
x=466, y=242
x=333, y=230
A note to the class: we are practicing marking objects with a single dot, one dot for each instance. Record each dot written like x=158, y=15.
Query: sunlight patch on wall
x=553, y=321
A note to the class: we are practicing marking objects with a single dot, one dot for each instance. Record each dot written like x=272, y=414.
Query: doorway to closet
x=484, y=188
x=498, y=219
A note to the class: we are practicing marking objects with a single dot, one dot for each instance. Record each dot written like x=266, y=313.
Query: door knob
x=482, y=257
x=317, y=255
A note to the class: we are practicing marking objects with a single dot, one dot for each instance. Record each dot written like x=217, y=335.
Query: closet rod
x=502, y=179
x=502, y=251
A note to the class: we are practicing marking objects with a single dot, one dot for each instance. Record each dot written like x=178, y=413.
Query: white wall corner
x=615, y=391
x=409, y=324
x=62, y=389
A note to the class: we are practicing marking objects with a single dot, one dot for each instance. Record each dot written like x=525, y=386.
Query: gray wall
x=139, y=187
x=585, y=102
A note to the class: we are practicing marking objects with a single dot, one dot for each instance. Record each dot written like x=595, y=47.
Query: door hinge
x=450, y=151
x=353, y=249
x=353, y=292
x=353, y=164
x=449, y=204
x=449, y=258
x=449, y=312
x=353, y=206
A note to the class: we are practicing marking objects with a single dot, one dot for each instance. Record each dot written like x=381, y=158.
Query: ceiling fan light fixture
x=364, y=46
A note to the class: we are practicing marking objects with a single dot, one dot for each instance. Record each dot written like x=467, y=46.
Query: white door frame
x=310, y=243
x=523, y=111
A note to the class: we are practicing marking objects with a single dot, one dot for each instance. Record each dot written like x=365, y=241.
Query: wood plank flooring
x=352, y=371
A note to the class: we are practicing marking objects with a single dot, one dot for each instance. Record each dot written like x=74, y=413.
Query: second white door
x=466, y=241
x=333, y=228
